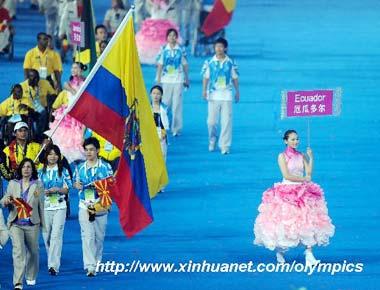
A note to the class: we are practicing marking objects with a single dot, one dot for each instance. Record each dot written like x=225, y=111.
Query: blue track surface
x=207, y=211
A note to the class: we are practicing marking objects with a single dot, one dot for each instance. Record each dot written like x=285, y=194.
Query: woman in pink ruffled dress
x=69, y=135
x=293, y=212
x=152, y=34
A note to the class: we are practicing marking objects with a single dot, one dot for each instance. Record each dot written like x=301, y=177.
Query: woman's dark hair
x=223, y=41
x=34, y=170
x=170, y=30
x=158, y=88
x=57, y=151
x=81, y=65
x=287, y=133
x=93, y=141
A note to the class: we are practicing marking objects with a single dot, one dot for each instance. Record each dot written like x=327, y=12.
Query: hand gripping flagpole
x=90, y=76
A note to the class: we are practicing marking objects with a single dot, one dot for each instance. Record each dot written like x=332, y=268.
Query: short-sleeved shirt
x=220, y=75
x=51, y=178
x=172, y=61
x=87, y=175
x=35, y=59
x=44, y=89
x=16, y=153
x=114, y=17
x=11, y=106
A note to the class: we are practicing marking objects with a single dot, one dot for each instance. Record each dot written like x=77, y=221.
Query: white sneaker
x=225, y=151
x=310, y=260
x=30, y=282
x=280, y=257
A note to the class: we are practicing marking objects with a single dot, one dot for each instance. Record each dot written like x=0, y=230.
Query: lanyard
x=24, y=194
x=40, y=58
x=23, y=150
x=37, y=92
x=94, y=171
x=12, y=107
x=52, y=176
x=172, y=55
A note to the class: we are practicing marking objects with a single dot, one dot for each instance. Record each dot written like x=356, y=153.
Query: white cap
x=20, y=125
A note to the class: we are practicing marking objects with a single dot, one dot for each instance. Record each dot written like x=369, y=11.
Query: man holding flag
x=92, y=216
x=113, y=103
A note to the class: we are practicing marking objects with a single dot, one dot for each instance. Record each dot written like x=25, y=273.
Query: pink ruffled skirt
x=292, y=215
x=69, y=135
x=151, y=37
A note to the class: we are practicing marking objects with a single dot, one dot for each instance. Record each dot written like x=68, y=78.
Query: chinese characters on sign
x=309, y=103
x=77, y=33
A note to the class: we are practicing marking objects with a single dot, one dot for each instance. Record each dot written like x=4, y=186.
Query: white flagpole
x=90, y=76
x=308, y=132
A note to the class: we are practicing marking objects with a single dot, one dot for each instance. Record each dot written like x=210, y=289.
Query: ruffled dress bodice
x=294, y=163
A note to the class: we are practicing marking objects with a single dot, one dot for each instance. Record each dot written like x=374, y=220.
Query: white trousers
x=53, y=237
x=173, y=99
x=190, y=12
x=92, y=234
x=164, y=148
x=220, y=110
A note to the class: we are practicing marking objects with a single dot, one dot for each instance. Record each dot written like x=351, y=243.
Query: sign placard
x=313, y=103
x=77, y=33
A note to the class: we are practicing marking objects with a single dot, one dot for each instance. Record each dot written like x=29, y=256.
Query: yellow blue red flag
x=114, y=103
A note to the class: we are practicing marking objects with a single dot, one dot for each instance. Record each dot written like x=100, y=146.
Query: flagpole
x=308, y=132
x=90, y=76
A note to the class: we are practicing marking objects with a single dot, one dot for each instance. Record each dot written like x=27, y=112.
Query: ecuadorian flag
x=113, y=102
x=219, y=16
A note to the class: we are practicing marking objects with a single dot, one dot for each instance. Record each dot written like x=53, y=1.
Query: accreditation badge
x=108, y=146
x=171, y=70
x=53, y=199
x=89, y=194
x=221, y=82
x=15, y=118
x=43, y=72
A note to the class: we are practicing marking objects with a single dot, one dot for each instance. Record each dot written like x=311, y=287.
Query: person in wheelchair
x=42, y=95
x=14, y=109
x=6, y=30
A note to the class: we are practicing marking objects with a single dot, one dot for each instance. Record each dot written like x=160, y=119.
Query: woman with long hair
x=56, y=181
